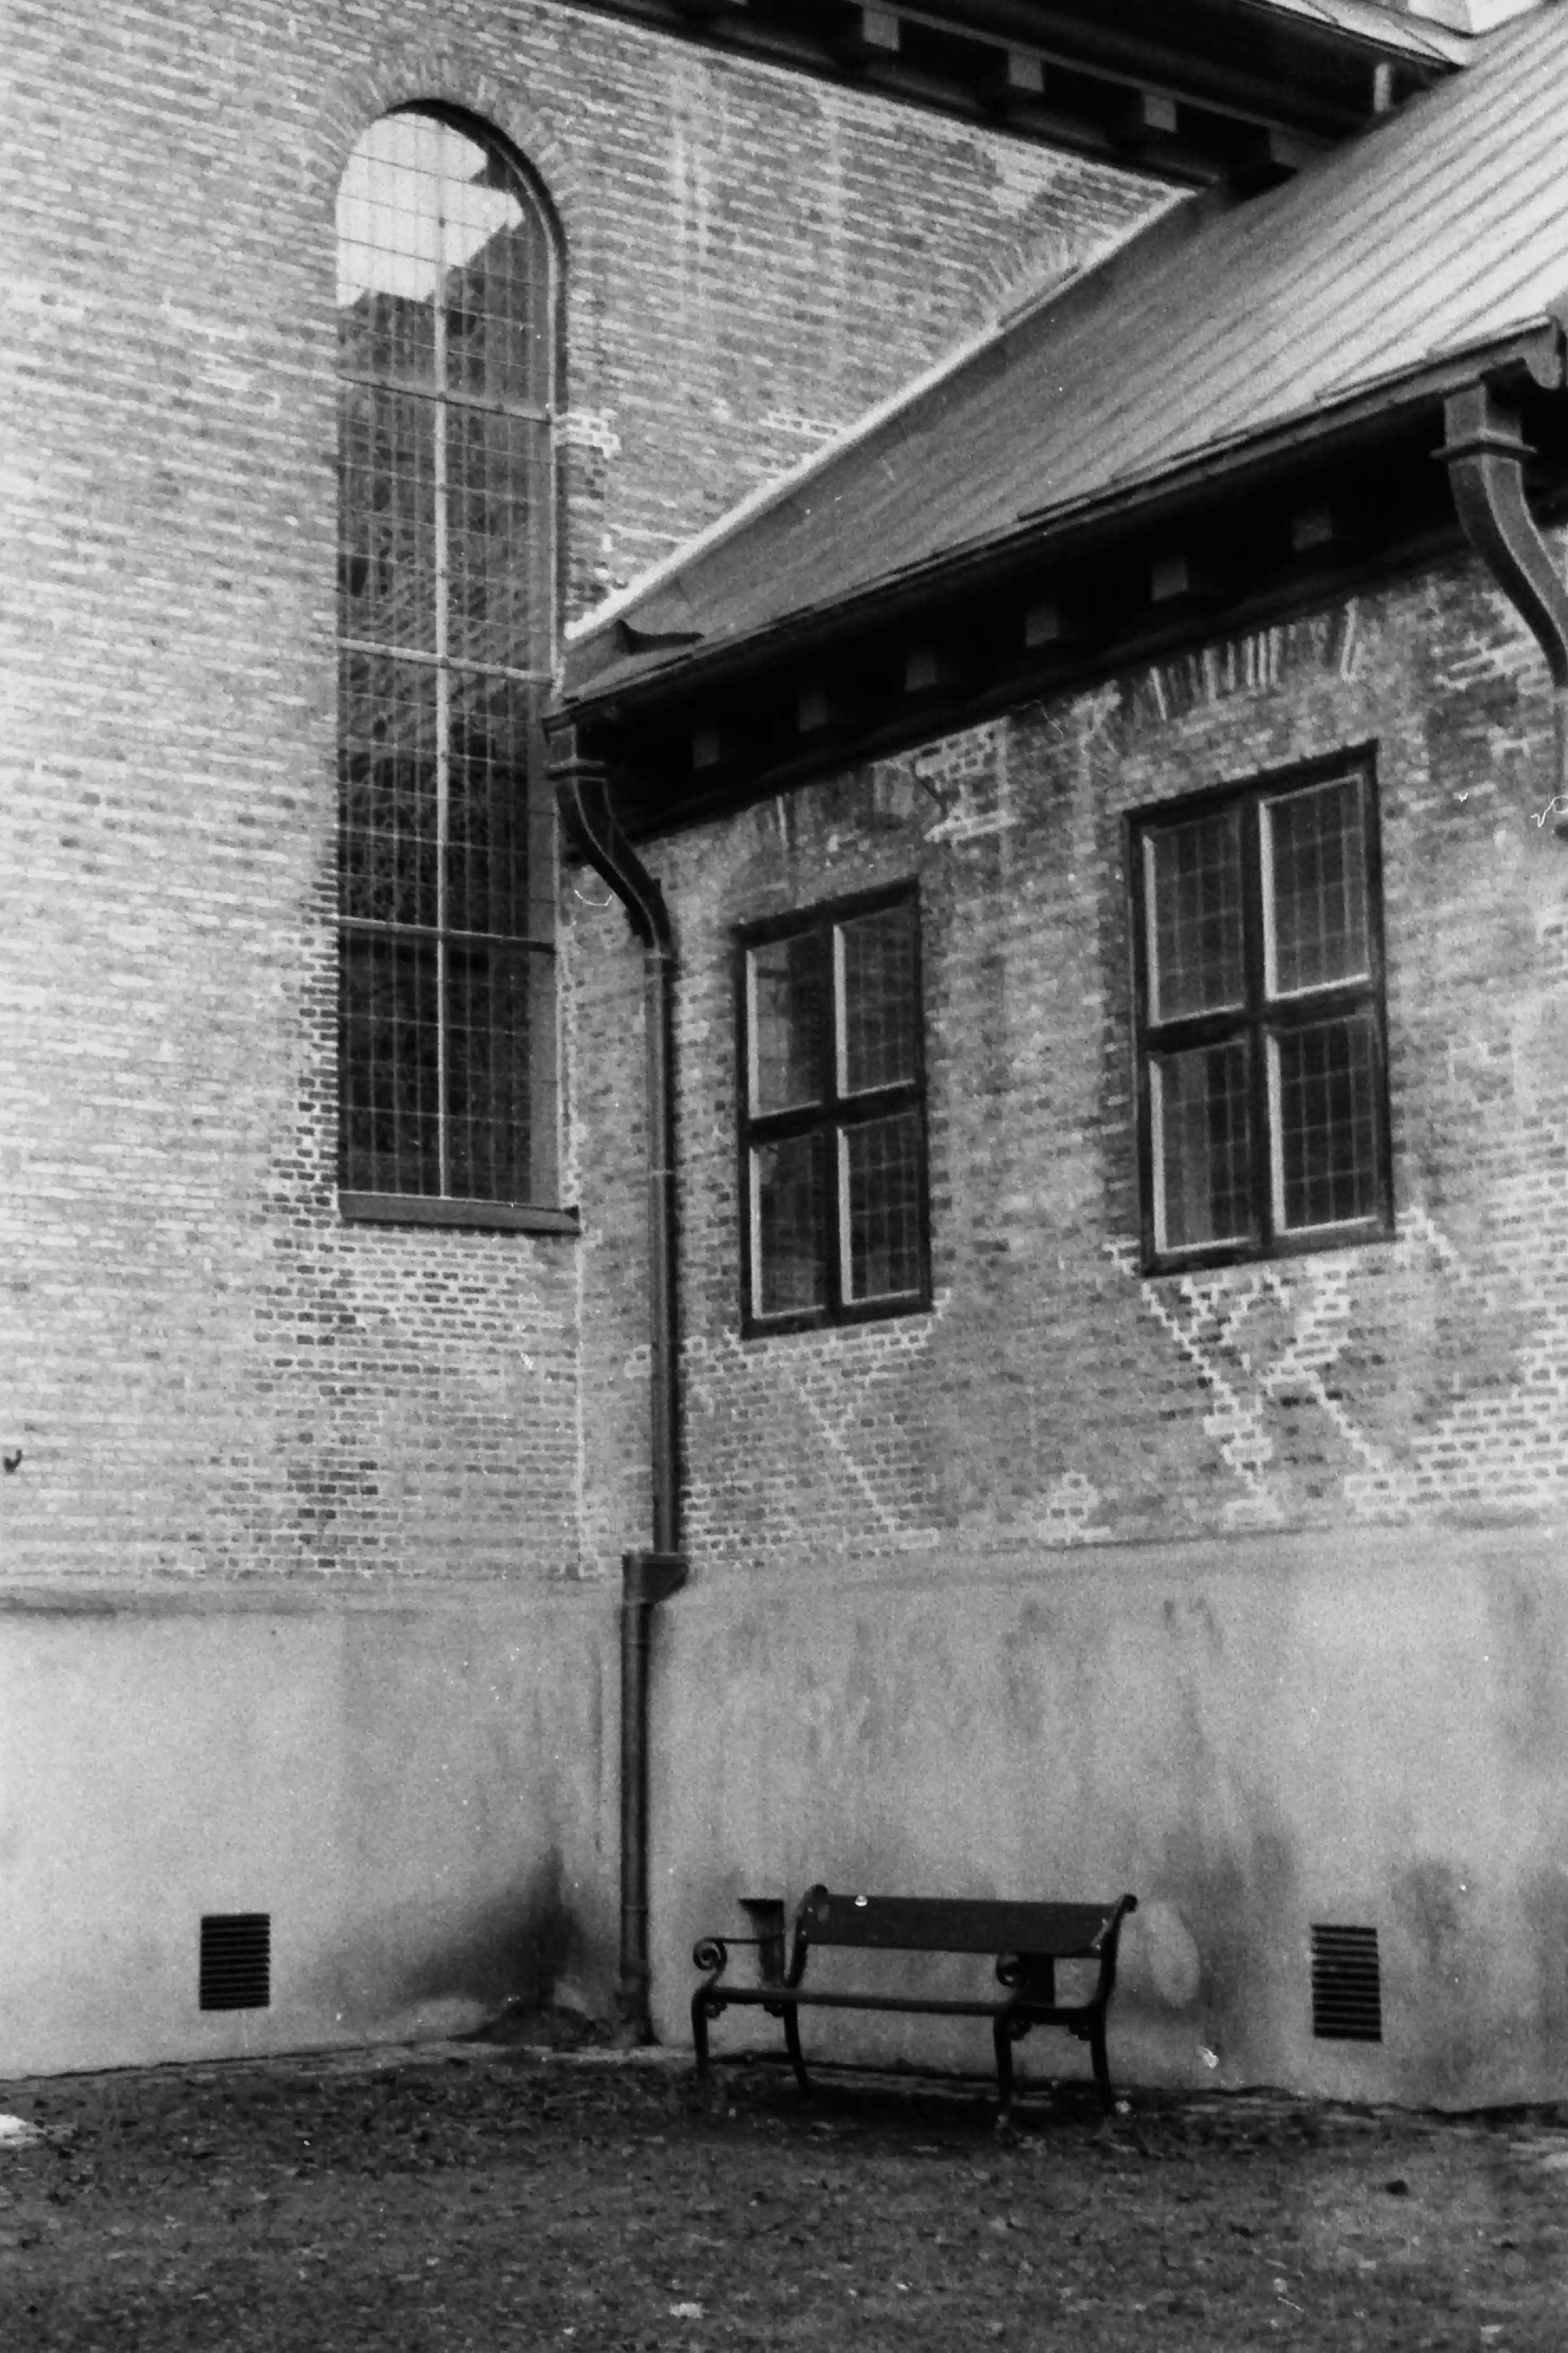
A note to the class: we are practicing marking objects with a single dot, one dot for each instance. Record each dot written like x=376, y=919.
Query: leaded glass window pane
x=1193, y=897
x=1314, y=867
x=1324, y=1088
x=390, y=1062
x=1203, y=1146
x=446, y=565
x=388, y=581
x=880, y=1173
x=878, y=1043
x=497, y=345
x=788, y=1022
x=498, y=471
x=487, y=829
x=388, y=769
x=788, y=1225
x=391, y=244
x=486, y=1070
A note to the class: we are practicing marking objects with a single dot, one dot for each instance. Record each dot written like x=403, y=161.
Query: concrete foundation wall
x=416, y=1793
x=1255, y=1736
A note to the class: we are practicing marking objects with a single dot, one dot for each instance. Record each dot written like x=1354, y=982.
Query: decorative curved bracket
x=1485, y=455
x=589, y=821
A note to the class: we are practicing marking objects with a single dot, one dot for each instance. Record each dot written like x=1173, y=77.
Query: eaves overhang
x=1330, y=497
x=1190, y=96
x=1369, y=412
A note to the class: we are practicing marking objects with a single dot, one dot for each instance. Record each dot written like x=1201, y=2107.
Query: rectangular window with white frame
x=1261, y=1032
x=832, y=1089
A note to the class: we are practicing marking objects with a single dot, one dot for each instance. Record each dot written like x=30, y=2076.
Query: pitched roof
x=1444, y=230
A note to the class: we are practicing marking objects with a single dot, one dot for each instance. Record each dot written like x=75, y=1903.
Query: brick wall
x=206, y=1371
x=1055, y=1397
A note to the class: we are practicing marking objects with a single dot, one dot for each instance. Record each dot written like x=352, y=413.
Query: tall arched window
x=446, y=621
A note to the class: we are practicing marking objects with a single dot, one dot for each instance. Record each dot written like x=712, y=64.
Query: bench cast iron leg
x=1002, y=2036
x=1101, y=2065
x=791, y=2037
x=699, y=2032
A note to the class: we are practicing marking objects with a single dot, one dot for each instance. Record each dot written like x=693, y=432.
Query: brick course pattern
x=1056, y=1396
x=207, y=1373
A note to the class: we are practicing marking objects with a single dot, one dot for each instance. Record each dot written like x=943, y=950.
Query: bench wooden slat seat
x=1027, y=1940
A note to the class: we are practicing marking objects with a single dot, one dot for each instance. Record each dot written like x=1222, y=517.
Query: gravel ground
x=485, y=2197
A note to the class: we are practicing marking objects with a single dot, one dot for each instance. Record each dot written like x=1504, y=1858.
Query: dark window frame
x=829, y=1115
x=1262, y=1015
x=529, y=1204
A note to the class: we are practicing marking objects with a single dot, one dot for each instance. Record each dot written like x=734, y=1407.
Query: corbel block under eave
x=870, y=33
x=1315, y=529
x=1177, y=577
x=1050, y=625
x=930, y=670
x=707, y=745
x=1146, y=114
x=1017, y=78
x=817, y=706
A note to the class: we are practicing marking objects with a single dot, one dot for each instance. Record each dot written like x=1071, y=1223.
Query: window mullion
x=443, y=690
x=836, y=1221
x=1255, y=951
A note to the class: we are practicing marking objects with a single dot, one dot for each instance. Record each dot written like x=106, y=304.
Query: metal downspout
x=1485, y=456
x=648, y=1578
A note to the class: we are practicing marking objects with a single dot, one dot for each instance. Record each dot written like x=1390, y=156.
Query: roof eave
x=1533, y=351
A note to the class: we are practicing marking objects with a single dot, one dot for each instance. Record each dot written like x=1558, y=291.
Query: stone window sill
x=422, y=1209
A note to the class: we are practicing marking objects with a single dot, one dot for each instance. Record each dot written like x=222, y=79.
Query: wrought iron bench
x=1027, y=1939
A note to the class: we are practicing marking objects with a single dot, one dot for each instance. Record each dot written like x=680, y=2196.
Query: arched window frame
x=449, y=374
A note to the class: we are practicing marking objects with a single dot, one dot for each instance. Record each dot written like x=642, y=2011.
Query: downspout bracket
x=649, y=1577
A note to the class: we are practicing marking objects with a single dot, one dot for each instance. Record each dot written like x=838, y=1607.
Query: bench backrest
x=944, y=1924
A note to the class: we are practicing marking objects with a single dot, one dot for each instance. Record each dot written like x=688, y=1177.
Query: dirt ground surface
x=498, y=2197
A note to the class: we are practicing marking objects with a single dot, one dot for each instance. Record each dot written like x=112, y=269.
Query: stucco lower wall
x=411, y=1788
x=1254, y=1736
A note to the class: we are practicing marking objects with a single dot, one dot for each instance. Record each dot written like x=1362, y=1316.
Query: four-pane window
x=1261, y=1035
x=833, y=1124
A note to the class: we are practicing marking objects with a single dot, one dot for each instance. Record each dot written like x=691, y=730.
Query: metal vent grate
x=1347, y=1985
x=236, y=1960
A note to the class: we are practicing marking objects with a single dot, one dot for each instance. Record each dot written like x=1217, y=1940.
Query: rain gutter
x=648, y=1575
x=1485, y=455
